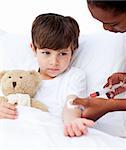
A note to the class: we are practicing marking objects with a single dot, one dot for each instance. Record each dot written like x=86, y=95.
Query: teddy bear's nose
x=14, y=84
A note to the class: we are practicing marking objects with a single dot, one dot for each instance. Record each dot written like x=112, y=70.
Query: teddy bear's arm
x=39, y=105
x=3, y=99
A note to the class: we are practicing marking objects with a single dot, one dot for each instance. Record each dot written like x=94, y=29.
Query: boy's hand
x=94, y=108
x=77, y=127
x=115, y=79
x=7, y=111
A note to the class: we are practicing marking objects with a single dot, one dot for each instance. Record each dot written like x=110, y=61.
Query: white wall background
x=16, y=16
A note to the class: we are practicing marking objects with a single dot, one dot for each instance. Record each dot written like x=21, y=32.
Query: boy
x=54, y=40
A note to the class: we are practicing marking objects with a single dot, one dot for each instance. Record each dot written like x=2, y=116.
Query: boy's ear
x=33, y=48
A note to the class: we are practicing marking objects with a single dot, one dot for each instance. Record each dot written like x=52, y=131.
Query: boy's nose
x=54, y=60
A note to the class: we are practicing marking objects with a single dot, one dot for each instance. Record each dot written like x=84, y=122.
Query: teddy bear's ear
x=36, y=75
x=2, y=74
x=33, y=72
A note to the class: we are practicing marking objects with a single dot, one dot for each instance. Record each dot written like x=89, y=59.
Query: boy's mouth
x=53, y=69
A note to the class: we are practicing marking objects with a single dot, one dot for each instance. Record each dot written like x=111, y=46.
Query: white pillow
x=15, y=52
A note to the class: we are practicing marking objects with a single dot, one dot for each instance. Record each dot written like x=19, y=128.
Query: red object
x=95, y=94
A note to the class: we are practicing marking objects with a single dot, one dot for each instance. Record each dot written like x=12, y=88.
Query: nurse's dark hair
x=118, y=6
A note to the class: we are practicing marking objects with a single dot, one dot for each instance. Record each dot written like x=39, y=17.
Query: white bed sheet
x=37, y=130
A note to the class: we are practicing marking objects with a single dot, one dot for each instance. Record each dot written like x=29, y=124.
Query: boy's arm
x=74, y=125
x=7, y=111
x=70, y=114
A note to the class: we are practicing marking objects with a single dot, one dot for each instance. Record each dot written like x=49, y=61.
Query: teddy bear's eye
x=9, y=77
x=20, y=77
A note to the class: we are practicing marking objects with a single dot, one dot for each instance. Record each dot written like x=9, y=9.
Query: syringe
x=93, y=95
x=105, y=90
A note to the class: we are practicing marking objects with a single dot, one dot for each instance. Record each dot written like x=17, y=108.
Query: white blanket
x=37, y=130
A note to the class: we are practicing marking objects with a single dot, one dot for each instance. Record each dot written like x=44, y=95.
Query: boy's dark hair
x=118, y=6
x=55, y=32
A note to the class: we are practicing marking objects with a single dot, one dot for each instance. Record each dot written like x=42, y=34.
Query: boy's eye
x=45, y=53
x=63, y=54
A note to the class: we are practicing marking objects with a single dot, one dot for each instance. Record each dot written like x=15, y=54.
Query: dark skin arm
x=97, y=107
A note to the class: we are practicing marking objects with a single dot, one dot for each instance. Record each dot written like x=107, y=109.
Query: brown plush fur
x=23, y=82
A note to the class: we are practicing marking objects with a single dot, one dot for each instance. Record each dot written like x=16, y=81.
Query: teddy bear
x=19, y=87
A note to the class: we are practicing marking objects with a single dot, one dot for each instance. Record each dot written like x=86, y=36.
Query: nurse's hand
x=94, y=108
x=115, y=79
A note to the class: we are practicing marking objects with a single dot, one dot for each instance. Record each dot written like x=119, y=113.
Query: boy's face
x=53, y=62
